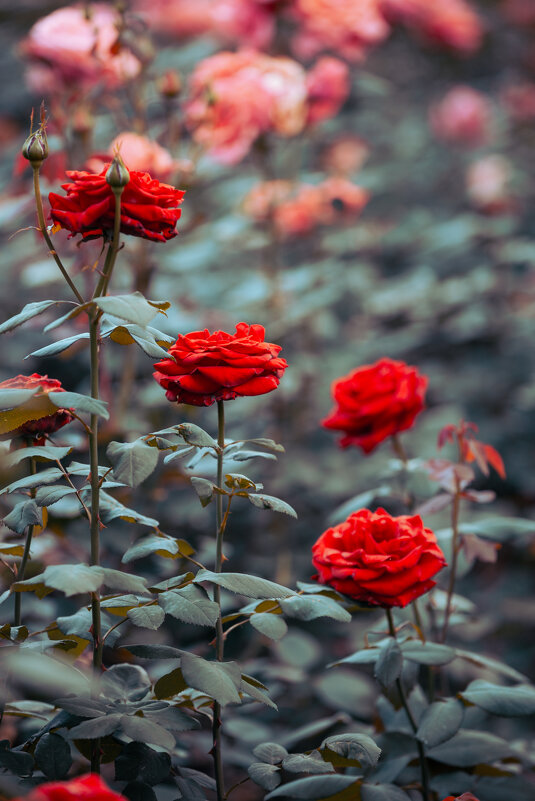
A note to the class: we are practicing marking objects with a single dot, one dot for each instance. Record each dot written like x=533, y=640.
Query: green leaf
x=471, y=747
x=137, y=759
x=133, y=308
x=257, y=691
x=18, y=762
x=203, y=488
x=499, y=529
x=428, y=653
x=96, y=727
x=171, y=684
x=270, y=502
x=69, y=579
x=356, y=746
x=219, y=680
x=270, y=444
x=58, y=347
x=440, y=721
x=47, y=476
x=494, y=664
x=306, y=763
x=146, y=731
x=12, y=398
x=498, y=700
x=26, y=313
x=314, y=606
x=272, y=626
x=47, y=496
x=133, y=462
x=46, y=452
x=389, y=662
x=244, y=456
x=149, y=339
x=195, y=435
x=174, y=719
x=266, y=776
x=110, y=509
x=125, y=683
x=382, y=792
x=155, y=651
x=364, y=656
x=245, y=584
x=273, y=753
x=190, y=605
x=82, y=404
x=53, y=756
x=122, y=582
x=361, y=501
x=24, y=514
x=314, y=788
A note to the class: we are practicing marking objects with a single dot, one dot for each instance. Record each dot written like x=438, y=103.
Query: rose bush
x=378, y=559
x=375, y=402
x=149, y=209
x=84, y=788
x=37, y=417
x=216, y=367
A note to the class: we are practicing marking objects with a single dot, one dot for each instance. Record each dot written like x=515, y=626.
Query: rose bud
x=35, y=148
x=169, y=84
x=117, y=175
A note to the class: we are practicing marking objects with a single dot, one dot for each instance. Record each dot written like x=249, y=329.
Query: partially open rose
x=37, y=417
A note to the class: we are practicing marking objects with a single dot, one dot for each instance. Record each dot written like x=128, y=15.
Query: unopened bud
x=117, y=175
x=169, y=84
x=35, y=148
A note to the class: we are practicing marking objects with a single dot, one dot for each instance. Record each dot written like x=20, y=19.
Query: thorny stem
x=17, y=618
x=43, y=229
x=219, y=635
x=77, y=491
x=414, y=727
x=455, y=553
x=113, y=248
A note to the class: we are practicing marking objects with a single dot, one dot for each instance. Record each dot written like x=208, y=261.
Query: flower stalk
x=219, y=636
x=17, y=617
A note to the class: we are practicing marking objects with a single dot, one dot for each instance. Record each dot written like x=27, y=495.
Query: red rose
x=38, y=416
x=84, y=788
x=375, y=402
x=379, y=559
x=213, y=367
x=149, y=209
x=463, y=797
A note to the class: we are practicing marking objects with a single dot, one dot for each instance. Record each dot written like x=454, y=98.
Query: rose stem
x=25, y=556
x=94, y=319
x=455, y=553
x=401, y=691
x=220, y=642
x=42, y=228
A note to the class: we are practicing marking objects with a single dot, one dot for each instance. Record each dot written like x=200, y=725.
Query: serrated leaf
x=47, y=496
x=147, y=617
x=356, y=746
x=471, y=747
x=428, y=653
x=245, y=584
x=190, y=605
x=133, y=462
x=82, y=404
x=272, y=503
x=46, y=452
x=382, y=792
x=266, y=776
x=111, y=509
x=134, y=308
x=314, y=606
x=58, y=347
x=440, y=721
x=27, y=312
x=150, y=340
x=273, y=753
x=389, y=663
x=155, y=651
x=313, y=788
x=498, y=700
x=96, y=727
x=82, y=707
x=123, y=582
x=146, y=731
x=47, y=476
x=203, y=488
x=195, y=435
x=53, y=756
x=18, y=762
x=24, y=514
x=69, y=579
x=257, y=691
x=219, y=680
x=306, y=763
x=272, y=626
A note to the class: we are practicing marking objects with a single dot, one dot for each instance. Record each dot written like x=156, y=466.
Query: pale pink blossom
x=451, y=23
x=488, y=185
x=328, y=88
x=463, y=116
x=236, y=97
x=345, y=155
x=231, y=21
x=138, y=153
x=345, y=27
x=70, y=48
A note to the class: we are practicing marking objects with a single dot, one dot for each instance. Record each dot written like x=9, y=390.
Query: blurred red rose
x=452, y=24
x=463, y=797
x=216, y=367
x=375, y=402
x=519, y=12
x=78, y=47
x=236, y=97
x=149, y=209
x=328, y=88
x=463, y=116
x=519, y=101
x=84, y=788
x=379, y=559
x=38, y=416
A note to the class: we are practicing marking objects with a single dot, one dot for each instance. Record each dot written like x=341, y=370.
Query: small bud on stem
x=117, y=176
x=35, y=148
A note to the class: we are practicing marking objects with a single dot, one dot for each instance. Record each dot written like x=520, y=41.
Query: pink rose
x=139, y=153
x=453, y=24
x=487, y=185
x=463, y=116
x=328, y=88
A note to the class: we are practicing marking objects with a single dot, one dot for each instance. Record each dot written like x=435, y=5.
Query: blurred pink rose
x=231, y=21
x=71, y=48
x=235, y=97
x=138, y=153
x=519, y=12
x=488, y=185
x=453, y=23
x=328, y=87
x=297, y=209
x=519, y=101
x=345, y=155
x=463, y=116
x=347, y=27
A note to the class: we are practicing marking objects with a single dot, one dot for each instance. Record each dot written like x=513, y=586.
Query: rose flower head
x=463, y=797
x=328, y=87
x=378, y=559
x=78, y=46
x=217, y=367
x=375, y=402
x=463, y=116
x=84, y=788
x=453, y=24
x=140, y=153
x=37, y=416
x=149, y=209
